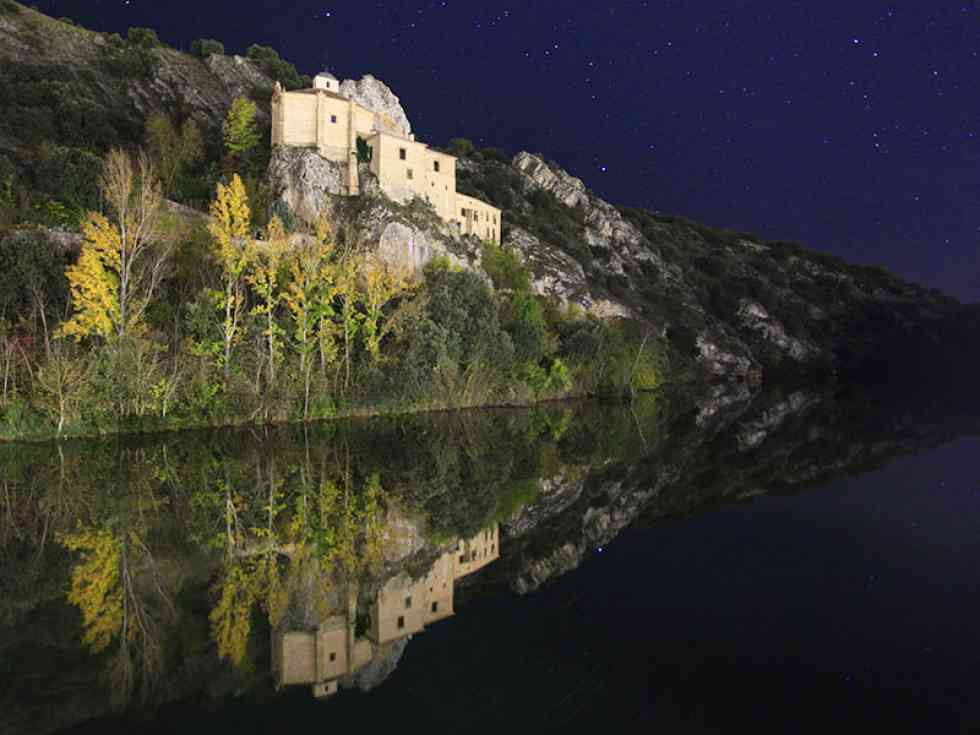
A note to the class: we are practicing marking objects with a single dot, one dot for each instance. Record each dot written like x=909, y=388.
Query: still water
x=788, y=561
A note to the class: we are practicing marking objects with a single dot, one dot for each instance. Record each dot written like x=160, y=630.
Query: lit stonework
x=403, y=606
x=324, y=119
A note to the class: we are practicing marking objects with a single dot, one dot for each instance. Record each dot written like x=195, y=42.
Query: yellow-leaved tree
x=230, y=229
x=263, y=276
x=121, y=262
x=381, y=284
x=309, y=298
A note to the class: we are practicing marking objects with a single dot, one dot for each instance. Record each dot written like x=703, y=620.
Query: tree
x=309, y=299
x=145, y=38
x=230, y=230
x=263, y=275
x=59, y=381
x=173, y=151
x=380, y=286
x=461, y=147
x=119, y=268
x=204, y=47
x=240, y=132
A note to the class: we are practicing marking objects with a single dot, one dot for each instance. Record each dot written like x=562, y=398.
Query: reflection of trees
x=248, y=525
x=272, y=536
x=116, y=587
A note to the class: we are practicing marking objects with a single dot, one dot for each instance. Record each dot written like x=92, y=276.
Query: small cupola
x=326, y=80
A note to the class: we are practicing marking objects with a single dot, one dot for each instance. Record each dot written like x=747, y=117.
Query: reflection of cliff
x=403, y=606
x=728, y=447
x=228, y=539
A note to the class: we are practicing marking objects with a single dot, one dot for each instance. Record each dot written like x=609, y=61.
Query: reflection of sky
x=848, y=605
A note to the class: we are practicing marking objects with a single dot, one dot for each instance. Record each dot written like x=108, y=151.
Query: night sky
x=852, y=127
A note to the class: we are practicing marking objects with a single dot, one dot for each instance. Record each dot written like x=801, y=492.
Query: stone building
x=333, y=123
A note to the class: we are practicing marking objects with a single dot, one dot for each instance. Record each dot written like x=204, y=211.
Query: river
x=790, y=560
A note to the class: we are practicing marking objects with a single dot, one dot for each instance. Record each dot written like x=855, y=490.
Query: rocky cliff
x=730, y=305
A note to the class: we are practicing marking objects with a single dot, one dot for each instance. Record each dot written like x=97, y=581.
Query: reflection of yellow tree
x=105, y=588
x=251, y=573
x=231, y=618
x=95, y=587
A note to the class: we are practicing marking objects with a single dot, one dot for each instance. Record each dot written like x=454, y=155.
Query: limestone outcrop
x=303, y=182
x=377, y=96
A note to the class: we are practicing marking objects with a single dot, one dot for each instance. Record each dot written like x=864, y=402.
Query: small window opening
x=408, y=602
x=401, y=622
x=435, y=607
x=402, y=154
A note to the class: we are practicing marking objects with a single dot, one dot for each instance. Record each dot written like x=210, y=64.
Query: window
x=408, y=602
x=410, y=174
x=402, y=154
x=435, y=607
x=333, y=656
x=462, y=559
x=401, y=622
x=333, y=118
x=435, y=166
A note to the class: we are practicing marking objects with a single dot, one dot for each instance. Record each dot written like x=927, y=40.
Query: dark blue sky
x=852, y=127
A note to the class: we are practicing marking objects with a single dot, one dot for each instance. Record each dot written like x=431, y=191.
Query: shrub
x=450, y=336
x=505, y=268
x=32, y=275
x=275, y=66
x=461, y=147
x=494, y=154
x=69, y=175
x=9, y=7
x=205, y=47
x=527, y=328
x=143, y=37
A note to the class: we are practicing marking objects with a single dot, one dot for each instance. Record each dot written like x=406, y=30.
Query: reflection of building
x=324, y=119
x=402, y=607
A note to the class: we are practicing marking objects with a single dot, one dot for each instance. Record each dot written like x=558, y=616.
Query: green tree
x=173, y=151
x=240, y=131
x=143, y=37
x=204, y=47
x=461, y=147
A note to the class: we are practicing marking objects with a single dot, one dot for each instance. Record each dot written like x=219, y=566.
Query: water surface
x=788, y=561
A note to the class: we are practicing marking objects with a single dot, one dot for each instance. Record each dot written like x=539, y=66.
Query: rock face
x=303, y=182
x=376, y=96
x=733, y=305
x=404, y=236
x=567, y=189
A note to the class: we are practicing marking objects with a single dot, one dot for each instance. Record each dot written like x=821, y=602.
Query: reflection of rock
x=379, y=668
x=732, y=446
x=554, y=495
x=402, y=537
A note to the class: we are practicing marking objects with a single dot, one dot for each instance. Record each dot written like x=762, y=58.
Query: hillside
x=722, y=304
